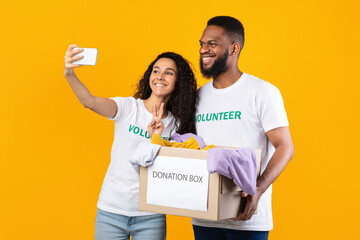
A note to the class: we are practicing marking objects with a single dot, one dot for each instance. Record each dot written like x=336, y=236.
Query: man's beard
x=219, y=66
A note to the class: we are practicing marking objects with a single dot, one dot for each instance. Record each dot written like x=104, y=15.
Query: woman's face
x=163, y=77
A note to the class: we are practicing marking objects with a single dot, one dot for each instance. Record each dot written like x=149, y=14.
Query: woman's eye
x=169, y=73
x=155, y=71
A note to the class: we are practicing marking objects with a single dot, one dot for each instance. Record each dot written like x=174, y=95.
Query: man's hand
x=250, y=207
x=156, y=125
x=284, y=150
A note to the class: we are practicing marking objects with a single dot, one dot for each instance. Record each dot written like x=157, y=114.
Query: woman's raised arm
x=103, y=106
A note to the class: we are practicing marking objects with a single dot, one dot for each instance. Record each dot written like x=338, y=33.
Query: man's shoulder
x=205, y=88
x=254, y=81
x=258, y=85
x=206, y=85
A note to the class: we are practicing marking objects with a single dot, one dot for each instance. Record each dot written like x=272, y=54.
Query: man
x=261, y=123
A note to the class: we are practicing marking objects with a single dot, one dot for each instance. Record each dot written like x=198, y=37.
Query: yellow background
x=54, y=153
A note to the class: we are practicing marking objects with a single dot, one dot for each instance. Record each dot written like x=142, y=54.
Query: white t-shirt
x=239, y=116
x=120, y=190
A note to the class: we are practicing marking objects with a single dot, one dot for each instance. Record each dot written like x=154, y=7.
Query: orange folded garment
x=191, y=143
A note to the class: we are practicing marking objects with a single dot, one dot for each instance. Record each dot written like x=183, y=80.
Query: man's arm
x=280, y=138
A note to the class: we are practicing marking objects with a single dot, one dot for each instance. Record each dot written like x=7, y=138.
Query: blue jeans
x=209, y=233
x=110, y=226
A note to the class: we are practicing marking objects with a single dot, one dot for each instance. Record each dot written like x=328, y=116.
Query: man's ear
x=235, y=49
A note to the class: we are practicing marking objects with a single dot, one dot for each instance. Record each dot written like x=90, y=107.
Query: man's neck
x=227, y=78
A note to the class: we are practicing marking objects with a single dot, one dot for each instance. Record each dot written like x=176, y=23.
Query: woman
x=166, y=97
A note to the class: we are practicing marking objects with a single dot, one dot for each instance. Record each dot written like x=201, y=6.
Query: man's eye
x=213, y=44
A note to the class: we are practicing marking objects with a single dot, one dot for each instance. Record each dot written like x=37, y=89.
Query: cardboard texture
x=223, y=195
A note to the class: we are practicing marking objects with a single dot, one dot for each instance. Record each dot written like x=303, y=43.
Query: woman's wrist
x=69, y=73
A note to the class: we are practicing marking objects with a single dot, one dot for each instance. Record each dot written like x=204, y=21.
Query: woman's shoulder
x=126, y=105
x=126, y=100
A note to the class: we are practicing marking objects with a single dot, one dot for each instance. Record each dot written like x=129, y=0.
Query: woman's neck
x=149, y=104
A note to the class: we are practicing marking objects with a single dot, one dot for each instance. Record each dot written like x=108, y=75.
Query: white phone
x=90, y=56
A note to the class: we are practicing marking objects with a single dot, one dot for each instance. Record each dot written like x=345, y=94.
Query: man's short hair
x=233, y=28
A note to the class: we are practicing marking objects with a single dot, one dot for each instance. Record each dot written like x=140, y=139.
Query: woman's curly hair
x=183, y=101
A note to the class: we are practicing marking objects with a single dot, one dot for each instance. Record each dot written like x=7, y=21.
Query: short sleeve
x=123, y=104
x=272, y=111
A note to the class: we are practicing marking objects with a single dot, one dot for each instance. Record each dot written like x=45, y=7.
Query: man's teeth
x=159, y=85
x=206, y=60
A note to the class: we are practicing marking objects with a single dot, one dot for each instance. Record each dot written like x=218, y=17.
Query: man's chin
x=206, y=75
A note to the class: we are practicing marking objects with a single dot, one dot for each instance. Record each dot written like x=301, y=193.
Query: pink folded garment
x=237, y=164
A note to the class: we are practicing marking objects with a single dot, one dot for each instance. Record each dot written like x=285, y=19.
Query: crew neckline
x=229, y=88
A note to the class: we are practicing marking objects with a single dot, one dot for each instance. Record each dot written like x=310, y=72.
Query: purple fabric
x=184, y=137
x=237, y=164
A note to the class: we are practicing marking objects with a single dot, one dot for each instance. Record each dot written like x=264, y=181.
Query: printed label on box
x=178, y=182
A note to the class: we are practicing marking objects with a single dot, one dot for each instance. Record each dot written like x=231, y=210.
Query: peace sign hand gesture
x=156, y=125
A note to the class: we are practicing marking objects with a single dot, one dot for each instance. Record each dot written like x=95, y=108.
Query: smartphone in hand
x=90, y=56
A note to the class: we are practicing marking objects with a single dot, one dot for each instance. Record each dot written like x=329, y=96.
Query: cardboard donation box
x=178, y=183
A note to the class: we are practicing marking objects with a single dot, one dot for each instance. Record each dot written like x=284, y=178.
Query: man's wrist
x=260, y=188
